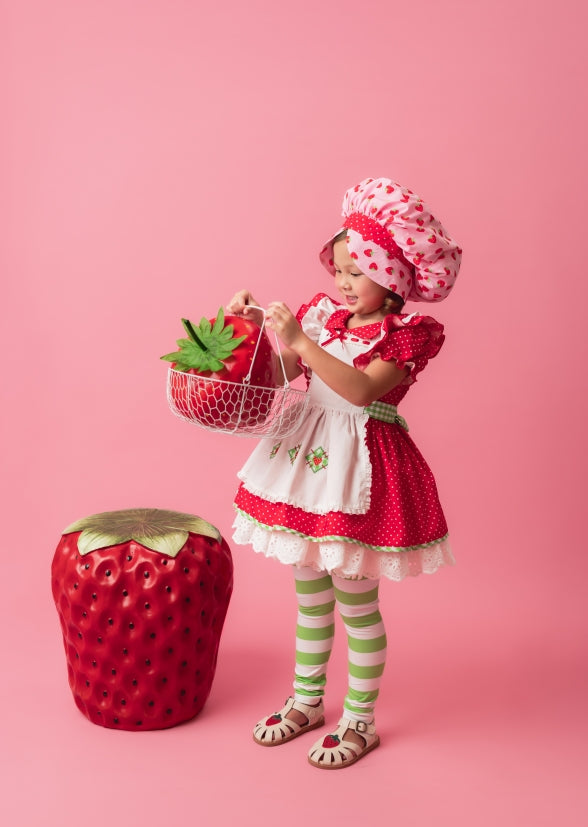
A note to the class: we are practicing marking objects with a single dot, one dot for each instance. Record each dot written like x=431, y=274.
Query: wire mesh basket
x=236, y=407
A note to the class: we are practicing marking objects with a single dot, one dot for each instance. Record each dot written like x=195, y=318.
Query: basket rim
x=197, y=376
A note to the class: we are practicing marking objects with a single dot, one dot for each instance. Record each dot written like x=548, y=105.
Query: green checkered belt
x=386, y=413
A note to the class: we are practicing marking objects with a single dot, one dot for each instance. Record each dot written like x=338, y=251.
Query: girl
x=348, y=498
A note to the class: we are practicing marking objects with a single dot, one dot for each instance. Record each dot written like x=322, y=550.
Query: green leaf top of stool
x=156, y=529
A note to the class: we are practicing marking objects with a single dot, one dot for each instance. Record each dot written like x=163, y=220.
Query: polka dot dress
x=400, y=528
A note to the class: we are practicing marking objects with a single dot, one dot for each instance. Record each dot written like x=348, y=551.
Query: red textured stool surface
x=142, y=596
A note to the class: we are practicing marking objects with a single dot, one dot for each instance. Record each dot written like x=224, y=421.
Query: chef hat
x=397, y=241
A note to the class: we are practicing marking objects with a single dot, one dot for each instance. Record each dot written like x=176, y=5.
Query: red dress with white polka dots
x=349, y=493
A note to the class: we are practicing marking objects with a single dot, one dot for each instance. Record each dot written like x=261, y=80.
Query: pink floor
x=483, y=720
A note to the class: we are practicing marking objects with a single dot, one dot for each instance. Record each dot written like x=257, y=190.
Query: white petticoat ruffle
x=343, y=559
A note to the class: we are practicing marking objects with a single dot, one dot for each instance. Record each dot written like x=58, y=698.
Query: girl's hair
x=393, y=302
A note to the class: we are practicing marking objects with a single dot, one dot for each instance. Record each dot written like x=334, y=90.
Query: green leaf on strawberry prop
x=156, y=529
x=207, y=347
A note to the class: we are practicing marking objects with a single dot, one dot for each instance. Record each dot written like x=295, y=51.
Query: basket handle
x=261, y=329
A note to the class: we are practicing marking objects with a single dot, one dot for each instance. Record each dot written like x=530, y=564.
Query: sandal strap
x=311, y=711
x=361, y=727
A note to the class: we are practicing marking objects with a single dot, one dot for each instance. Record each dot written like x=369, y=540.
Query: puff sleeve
x=410, y=340
x=313, y=316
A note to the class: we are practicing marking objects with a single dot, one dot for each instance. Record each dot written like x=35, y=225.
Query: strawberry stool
x=142, y=596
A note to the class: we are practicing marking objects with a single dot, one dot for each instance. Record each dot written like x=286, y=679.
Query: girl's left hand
x=280, y=318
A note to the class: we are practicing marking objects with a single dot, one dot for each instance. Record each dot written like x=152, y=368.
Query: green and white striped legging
x=357, y=603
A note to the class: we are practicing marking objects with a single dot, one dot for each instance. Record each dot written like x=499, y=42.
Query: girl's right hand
x=240, y=306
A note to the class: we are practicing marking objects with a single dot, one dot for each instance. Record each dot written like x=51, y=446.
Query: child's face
x=362, y=296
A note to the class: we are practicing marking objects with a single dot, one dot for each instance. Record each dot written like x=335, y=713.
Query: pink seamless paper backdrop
x=157, y=156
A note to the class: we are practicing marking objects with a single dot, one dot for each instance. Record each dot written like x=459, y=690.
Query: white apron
x=324, y=465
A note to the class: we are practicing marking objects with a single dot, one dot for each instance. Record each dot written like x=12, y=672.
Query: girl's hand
x=239, y=306
x=280, y=318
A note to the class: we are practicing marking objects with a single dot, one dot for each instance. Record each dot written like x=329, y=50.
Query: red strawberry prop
x=142, y=597
x=235, y=359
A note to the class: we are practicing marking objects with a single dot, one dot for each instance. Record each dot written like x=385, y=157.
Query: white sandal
x=333, y=752
x=277, y=729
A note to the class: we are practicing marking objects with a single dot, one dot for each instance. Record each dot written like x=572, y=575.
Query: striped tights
x=357, y=603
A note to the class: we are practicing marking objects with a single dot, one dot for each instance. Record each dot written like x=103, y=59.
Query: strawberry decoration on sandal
x=232, y=359
x=142, y=596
